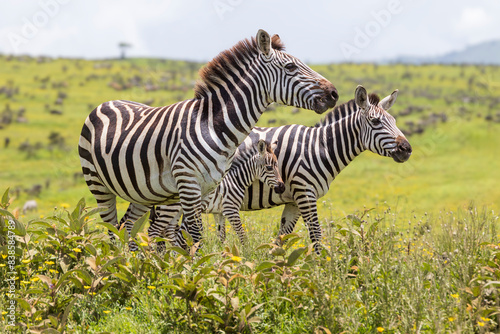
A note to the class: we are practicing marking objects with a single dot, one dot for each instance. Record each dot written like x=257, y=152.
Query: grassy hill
x=451, y=115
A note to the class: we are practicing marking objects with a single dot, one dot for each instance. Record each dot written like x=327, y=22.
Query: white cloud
x=473, y=18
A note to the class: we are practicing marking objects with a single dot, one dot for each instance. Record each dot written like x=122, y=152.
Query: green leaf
x=78, y=209
x=203, y=260
x=110, y=227
x=93, y=211
x=84, y=275
x=62, y=279
x=294, y=256
x=50, y=330
x=356, y=221
x=34, y=291
x=179, y=250
x=213, y=317
x=24, y=304
x=66, y=313
x=110, y=262
x=19, y=228
x=235, y=250
x=6, y=213
x=139, y=224
x=265, y=265
x=5, y=199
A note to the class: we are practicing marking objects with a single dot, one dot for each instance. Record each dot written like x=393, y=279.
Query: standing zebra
x=180, y=152
x=225, y=201
x=311, y=157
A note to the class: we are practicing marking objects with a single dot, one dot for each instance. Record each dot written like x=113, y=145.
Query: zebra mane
x=345, y=110
x=217, y=68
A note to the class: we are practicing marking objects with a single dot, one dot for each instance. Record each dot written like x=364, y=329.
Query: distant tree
x=123, y=47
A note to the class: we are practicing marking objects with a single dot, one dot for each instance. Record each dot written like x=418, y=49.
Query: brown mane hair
x=374, y=99
x=218, y=67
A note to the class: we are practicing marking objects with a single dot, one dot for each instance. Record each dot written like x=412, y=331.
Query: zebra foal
x=225, y=201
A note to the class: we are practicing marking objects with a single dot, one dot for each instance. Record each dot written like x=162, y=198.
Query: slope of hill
x=486, y=53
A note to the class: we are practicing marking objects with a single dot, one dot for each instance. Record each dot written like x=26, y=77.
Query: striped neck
x=342, y=140
x=245, y=173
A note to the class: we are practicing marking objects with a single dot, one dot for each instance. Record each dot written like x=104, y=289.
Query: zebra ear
x=361, y=97
x=262, y=147
x=388, y=101
x=264, y=42
x=274, y=146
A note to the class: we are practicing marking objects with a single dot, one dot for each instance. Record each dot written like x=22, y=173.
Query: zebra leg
x=134, y=212
x=220, y=220
x=306, y=202
x=190, y=199
x=289, y=218
x=164, y=223
x=105, y=199
x=233, y=215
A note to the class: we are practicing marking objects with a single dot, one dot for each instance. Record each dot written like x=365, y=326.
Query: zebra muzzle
x=403, y=150
x=279, y=188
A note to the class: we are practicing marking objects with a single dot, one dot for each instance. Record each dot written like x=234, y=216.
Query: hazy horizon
x=316, y=32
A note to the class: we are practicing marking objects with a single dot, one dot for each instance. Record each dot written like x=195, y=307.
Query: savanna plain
x=407, y=248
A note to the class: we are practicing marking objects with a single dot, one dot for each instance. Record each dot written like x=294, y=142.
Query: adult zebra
x=311, y=157
x=180, y=152
x=225, y=201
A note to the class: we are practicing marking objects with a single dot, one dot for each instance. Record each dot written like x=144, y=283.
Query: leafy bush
x=371, y=277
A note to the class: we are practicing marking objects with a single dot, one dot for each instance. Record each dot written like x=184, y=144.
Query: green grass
x=453, y=163
x=435, y=274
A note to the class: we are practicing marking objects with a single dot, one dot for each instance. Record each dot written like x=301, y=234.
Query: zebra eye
x=291, y=67
x=376, y=121
x=269, y=168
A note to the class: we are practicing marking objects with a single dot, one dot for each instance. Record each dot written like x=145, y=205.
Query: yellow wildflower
x=65, y=205
x=2, y=265
x=86, y=287
x=380, y=329
x=4, y=256
x=236, y=258
x=128, y=308
x=25, y=282
x=107, y=311
x=481, y=324
x=143, y=244
x=77, y=250
x=49, y=262
x=454, y=295
x=328, y=258
x=485, y=319
x=450, y=319
x=53, y=271
x=91, y=293
x=34, y=279
x=151, y=287
x=4, y=313
x=25, y=261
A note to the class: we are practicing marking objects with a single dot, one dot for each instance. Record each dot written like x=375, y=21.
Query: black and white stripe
x=180, y=152
x=311, y=157
x=225, y=201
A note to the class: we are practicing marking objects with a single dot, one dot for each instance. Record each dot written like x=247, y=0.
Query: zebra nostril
x=335, y=94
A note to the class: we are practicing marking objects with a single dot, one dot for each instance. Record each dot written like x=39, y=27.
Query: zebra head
x=267, y=166
x=379, y=131
x=290, y=81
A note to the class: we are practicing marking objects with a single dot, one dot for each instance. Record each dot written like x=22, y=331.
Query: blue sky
x=317, y=31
